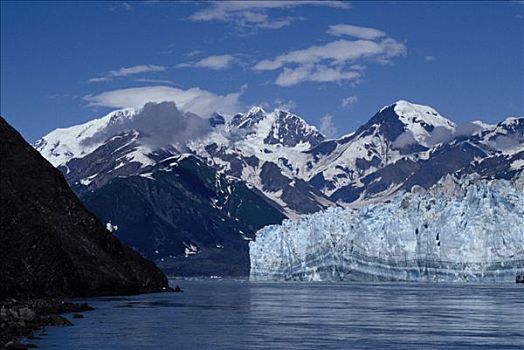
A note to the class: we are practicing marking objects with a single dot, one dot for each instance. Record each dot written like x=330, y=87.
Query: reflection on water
x=226, y=314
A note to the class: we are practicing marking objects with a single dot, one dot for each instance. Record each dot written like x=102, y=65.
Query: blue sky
x=66, y=63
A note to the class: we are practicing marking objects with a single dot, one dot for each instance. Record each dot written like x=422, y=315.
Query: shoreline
x=20, y=318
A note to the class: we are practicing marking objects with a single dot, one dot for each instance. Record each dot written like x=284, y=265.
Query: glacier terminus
x=465, y=230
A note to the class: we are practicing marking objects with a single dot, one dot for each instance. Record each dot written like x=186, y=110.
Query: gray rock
x=26, y=314
x=57, y=320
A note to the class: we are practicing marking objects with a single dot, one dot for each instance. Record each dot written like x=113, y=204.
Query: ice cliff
x=458, y=230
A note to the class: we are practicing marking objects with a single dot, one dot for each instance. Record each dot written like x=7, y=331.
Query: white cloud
x=356, y=31
x=430, y=58
x=159, y=124
x=194, y=53
x=155, y=81
x=336, y=61
x=196, y=100
x=349, y=101
x=254, y=14
x=315, y=73
x=53, y=96
x=279, y=103
x=327, y=127
x=358, y=67
x=288, y=105
x=127, y=71
x=99, y=79
x=127, y=6
x=116, y=6
x=405, y=139
x=339, y=51
x=217, y=62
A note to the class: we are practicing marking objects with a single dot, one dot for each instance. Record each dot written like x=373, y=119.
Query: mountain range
x=190, y=192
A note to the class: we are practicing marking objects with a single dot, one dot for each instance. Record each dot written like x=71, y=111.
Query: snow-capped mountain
x=287, y=164
x=402, y=132
x=268, y=151
x=291, y=162
x=62, y=145
x=405, y=145
x=458, y=230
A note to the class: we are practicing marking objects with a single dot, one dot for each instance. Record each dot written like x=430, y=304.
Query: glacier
x=466, y=230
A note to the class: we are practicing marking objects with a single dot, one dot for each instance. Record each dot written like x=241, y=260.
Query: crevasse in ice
x=458, y=230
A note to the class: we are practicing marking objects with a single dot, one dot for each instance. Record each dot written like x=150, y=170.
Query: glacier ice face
x=467, y=230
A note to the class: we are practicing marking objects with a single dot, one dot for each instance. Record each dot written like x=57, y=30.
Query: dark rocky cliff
x=50, y=244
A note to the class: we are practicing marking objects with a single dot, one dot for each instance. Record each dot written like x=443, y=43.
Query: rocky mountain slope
x=279, y=159
x=187, y=217
x=51, y=245
x=458, y=230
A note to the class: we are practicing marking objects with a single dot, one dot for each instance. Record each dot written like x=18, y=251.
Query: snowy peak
x=423, y=125
x=408, y=126
x=291, y=130
x=513, y=125
x=384, y=152
x=410, y=113
x=277, y=128
x=249, y=119
x=61, y=145
x=507, y=136
x=256, y=110
x=156, y=126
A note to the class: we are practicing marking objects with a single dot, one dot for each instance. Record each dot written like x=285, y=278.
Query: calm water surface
x=227, y=314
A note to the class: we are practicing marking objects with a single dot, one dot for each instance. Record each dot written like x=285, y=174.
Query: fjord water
x=233, y=314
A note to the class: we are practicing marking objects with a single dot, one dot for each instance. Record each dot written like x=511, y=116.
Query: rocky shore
x=19, y=318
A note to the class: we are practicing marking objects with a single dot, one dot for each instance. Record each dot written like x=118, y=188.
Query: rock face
x=458, y=230
x=51, y=245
